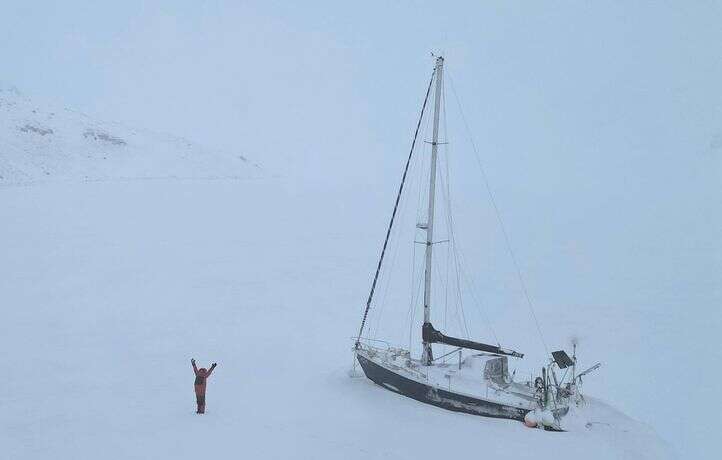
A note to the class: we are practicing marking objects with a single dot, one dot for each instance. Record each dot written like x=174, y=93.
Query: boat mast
x=427, y=355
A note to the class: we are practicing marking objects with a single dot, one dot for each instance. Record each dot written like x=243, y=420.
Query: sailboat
x=480, y=383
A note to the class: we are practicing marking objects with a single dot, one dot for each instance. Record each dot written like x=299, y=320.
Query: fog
x=599, y=127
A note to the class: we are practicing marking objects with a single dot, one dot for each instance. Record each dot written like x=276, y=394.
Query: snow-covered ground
x=110, y=286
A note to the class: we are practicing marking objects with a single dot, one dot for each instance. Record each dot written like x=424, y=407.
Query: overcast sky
x=600, y=123
x=321, y=85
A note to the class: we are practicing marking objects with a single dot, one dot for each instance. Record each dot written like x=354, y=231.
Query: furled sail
x=431, y=335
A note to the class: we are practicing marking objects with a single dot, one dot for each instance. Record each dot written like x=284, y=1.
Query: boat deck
x=469, y=380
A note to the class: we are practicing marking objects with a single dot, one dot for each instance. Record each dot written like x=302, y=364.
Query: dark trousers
x=201, y=401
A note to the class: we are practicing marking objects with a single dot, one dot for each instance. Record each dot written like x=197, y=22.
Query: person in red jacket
x=200, y=385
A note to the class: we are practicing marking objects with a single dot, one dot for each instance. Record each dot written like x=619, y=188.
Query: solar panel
x=562, y=359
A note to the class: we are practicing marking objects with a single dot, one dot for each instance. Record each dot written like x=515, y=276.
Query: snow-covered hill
x=41, y=143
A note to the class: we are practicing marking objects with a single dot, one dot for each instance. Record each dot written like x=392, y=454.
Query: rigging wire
x=460, y=316
x=461, y=273
x=446, y=192
x=393, y=214
x=409, y=312
x=507, y=240
x=459, y=268
x=444, y=287
x=455, y=246
x=413, y=310
x=395, y=251
x=421, y=166
x=445, y=159
x=421, y=191
x=386, y=275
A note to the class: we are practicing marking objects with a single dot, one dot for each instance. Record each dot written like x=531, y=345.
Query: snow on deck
x=467, y=379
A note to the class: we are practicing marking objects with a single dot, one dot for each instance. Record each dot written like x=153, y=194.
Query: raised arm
x=195, y=369
x=213, y=366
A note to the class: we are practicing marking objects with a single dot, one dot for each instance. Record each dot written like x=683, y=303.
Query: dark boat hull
x=437, y=396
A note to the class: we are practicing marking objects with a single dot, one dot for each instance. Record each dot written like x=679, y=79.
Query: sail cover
x=431, y=335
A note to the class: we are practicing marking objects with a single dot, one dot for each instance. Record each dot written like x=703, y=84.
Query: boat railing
x=369, y=342
x=387, y=350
